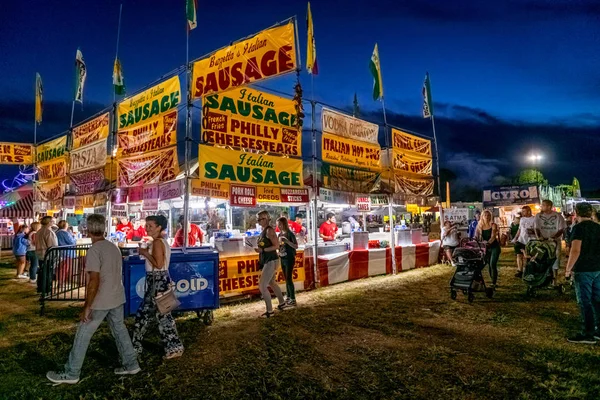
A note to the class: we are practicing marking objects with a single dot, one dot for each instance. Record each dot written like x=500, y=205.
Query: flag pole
x=188, y=138
x=117, y=47
x=35, y=112
x=390, y=196
x=437, y=157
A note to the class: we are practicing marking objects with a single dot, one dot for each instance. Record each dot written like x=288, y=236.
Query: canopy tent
x=21, y=203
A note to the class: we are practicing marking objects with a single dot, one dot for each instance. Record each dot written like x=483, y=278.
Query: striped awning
x=23, y=208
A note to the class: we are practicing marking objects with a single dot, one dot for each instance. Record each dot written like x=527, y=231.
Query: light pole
x=536, y=158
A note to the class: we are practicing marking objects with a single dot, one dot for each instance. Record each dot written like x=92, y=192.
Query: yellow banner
x=411, y=186
x=410, y=164
x=155, y=167
x=340, y=150
x=51, y=150
x=154, y=134
x=151, y=103
x=404, y=143
x=52, y=169
x=49, y=191
x=91, y=131
x=268, y=195
x=253, y=120
x=239, y=167
x=215, y=190
x=267, y=54
x=240, y=275
x=16, y=153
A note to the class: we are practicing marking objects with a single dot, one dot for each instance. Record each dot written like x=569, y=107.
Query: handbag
x=165, y=301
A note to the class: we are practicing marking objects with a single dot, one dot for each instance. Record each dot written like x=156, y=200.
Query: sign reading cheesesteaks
x=154, y=134
x=235, y=166
x=253, y=120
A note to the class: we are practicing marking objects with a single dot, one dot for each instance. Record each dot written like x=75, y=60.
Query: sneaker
x=597, y=335
x=282, y=306
x=61, y=377
x=23, y=276
x=125, y=371
x=579, y=338
x=267, y=314
x=291, y=303
x=519, y=274
x=172, y=355
x=33, y=281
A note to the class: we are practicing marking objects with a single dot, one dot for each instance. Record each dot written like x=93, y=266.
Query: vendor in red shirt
x=194, y=234
x=124, y=226
x=328, y=229
x=138, y=232
x=294, y=227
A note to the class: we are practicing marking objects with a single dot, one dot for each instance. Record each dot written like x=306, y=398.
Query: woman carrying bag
x=268, y=261
x=158, y=283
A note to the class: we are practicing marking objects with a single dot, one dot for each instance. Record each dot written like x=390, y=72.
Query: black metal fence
x=62, y=275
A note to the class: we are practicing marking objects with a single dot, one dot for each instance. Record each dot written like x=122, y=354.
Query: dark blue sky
x=516, y=64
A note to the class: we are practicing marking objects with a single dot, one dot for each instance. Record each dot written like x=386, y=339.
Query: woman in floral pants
x=157, y=256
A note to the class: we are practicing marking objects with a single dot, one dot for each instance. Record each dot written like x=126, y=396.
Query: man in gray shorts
x=550, y=225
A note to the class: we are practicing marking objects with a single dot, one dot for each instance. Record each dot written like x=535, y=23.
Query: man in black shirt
x=584, y=265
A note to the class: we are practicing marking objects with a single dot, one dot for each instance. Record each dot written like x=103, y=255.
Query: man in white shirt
x=524, y=234
x=105, y=297
x=550, y=225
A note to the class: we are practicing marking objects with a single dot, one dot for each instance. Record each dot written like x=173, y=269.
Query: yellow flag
x=311, y=48
x=38, y=98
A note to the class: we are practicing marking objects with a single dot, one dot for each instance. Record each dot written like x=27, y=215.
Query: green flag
x=118, y=80
x=190, y=9
x=375, y=68
x=427, y=101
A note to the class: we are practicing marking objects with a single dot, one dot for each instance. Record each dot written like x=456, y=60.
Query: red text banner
x=154, y=167
x=54, y=169
x=90, y=132
x=411, y=186
x=87, y=182
x=408, y=163
x=340, y=150
x=16, y=153
x=267, y=54
x=253, y=120
x=154, y=134
x=50, y=191
x=349, y=127
x=406, y=143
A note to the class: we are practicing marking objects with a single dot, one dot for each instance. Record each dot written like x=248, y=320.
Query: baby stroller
x=470, y=261
x=541, y=256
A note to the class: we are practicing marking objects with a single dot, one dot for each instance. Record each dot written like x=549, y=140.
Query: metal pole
x=390, y=197
x=188, y=138
x=315, y=183
x=117, y=47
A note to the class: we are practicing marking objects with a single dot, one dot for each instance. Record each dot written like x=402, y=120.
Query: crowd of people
x=581, y=234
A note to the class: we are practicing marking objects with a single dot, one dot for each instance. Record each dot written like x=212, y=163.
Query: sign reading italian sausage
x=253, y=120
x=91, y=131
x=267, y=54
x=239, y=167
x=340, y=150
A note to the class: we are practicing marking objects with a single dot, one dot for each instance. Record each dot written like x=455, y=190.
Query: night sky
x=508, y=77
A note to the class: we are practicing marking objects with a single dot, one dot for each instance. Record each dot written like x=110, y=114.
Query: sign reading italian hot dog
x=253, y=120
x=341, y=150
x=267, y=54
x=240, y=167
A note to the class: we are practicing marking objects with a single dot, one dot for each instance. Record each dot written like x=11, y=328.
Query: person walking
x=287, y=253
x=268, y=262
x=105, y=296
x=550, y=225
x=487, y=230
x=449, y=240
x=45, y=238
x=158, y=257
x=584, y=267
x=31, y=253
x=473, y=225
x=514, y=227
x=20, y=245
x=524, y=234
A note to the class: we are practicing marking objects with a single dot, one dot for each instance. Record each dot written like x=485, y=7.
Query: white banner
x=349, y=127
x=88, y=157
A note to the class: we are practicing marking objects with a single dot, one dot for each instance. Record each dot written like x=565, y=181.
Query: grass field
x=392, y=337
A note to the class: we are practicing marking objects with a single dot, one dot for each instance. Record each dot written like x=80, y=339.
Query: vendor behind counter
x=328, y=229
x=195, y=234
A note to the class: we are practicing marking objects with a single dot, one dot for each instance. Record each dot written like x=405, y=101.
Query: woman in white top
x=450, y=239
x=525, y=233
x=157, y=256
